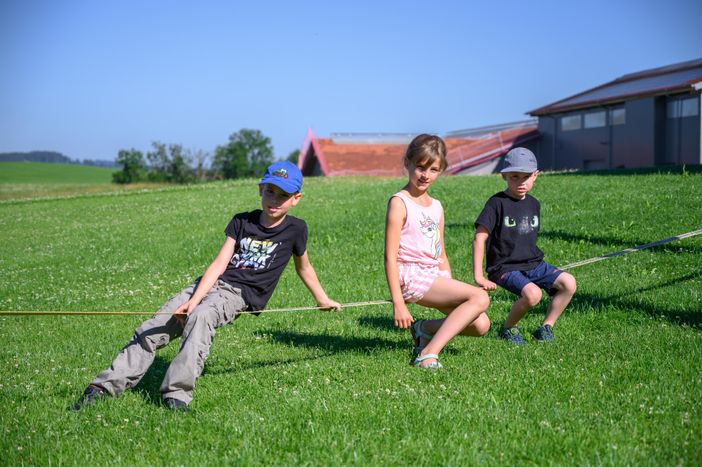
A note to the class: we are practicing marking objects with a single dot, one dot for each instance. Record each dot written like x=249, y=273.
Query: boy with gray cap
x=509, y=224
x=257, y=247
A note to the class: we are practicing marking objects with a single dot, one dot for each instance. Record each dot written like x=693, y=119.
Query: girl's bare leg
x=465, y=307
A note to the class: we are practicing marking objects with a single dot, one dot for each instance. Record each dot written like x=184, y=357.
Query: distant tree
x=166, y=163
x=247, y=154
x=199, y=158
x=133, y=167
x=229, y=162
x=179, y=170
x=51, y=157
x=159, y=162
x=100, y=163
x=169, y=163
x=294, y=156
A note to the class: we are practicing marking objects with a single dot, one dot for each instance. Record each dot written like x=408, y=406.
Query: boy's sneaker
x=544, y=334
x=91, y=395
x=512, y=335
x=176, y=405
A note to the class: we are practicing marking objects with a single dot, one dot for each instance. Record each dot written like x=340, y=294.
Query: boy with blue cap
x=257, y=248
x=509, y=224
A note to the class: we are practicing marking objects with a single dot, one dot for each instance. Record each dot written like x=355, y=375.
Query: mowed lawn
x=621, y=384
x=26, y=180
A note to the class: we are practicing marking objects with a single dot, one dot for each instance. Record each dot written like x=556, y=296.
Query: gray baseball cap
x=520, y=160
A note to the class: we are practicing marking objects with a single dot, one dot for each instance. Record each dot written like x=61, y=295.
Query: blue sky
x=89, y=78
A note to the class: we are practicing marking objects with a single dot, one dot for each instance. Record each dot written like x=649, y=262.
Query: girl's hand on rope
x=329, y=305
x=485, y=283
x=403, y=318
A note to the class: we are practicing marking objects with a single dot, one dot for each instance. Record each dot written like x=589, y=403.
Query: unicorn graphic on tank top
x=430, y=229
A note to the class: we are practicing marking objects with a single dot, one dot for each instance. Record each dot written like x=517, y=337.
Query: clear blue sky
x=88, y=78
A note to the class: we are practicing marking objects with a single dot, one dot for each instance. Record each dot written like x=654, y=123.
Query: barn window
x=571, y=122
x=617, y=116
x=690, y=107
x=595, y=119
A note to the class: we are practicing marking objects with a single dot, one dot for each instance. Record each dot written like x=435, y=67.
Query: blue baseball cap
x=285, y=175
x=520, y=160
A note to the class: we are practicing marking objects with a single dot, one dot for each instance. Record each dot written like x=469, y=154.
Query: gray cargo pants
x=220, y=306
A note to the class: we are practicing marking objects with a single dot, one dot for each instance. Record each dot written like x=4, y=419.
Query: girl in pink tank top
x=420, y=237
x=416, y=265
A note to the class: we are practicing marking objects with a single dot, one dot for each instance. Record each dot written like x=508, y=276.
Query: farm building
x=473, y=151
x=644, y=119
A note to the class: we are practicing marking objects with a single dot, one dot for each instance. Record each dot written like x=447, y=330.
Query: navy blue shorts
x=543, y=275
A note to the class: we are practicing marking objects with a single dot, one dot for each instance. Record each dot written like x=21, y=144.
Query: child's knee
x=482, y=324
x=481, y=300
x=150, y=341
x=532, y=294
x=568, y=283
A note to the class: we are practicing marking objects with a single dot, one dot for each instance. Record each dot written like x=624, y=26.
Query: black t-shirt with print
x=261, y=254
x=513, y=226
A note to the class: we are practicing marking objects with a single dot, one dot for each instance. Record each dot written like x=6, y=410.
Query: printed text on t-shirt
x=253, y=253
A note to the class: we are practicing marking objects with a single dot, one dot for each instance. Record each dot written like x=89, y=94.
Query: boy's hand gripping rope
x=353, y=304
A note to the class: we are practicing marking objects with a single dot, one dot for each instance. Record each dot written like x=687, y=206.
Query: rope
x=272, y=310
x=347, y=305
x=631, y=250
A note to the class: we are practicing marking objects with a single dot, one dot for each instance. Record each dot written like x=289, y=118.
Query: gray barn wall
x=682, y=141
x=635, y=141
x=647, y=139
x=660, y=125
x=587, y=148
x=690, y=145
x=639, y=133
x=545, y=153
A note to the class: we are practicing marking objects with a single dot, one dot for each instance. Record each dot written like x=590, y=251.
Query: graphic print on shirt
x=525, y=226
x=254, y=254
x=430, y=229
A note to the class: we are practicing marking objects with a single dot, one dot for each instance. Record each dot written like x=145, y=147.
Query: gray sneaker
x=512, y=335
x=544, y=334
x=91, y=395
x=176, y=405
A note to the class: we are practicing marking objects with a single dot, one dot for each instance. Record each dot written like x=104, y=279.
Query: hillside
x=41, y=173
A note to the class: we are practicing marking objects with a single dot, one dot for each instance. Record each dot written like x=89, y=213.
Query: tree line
x=51, y=157
x=247, y=154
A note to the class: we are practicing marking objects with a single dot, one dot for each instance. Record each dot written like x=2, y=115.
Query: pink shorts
x=416, y=279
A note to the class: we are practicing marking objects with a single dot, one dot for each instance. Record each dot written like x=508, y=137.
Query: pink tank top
x=420, y=237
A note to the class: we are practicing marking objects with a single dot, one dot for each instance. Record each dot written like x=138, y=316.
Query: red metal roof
x=380, y=159
x=471, y=152
x=669, y=79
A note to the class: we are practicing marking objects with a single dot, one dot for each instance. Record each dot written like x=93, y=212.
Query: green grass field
x=27, y=180
x=48, y=174
x=620, y=386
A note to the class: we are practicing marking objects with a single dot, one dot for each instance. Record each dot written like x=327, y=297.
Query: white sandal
x=429, y=366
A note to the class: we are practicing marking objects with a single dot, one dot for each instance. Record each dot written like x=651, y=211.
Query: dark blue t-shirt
x=261, y=254
x=513, y=226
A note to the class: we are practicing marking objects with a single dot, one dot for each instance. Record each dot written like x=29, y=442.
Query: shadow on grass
x=614, y=243
x=674, y=313
x=378, y=322
x=663, y=170
x=325, y=344
x=459, y=226
x=610, y=244
x=220, y=370
x=150, y=384
x=335, y=344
